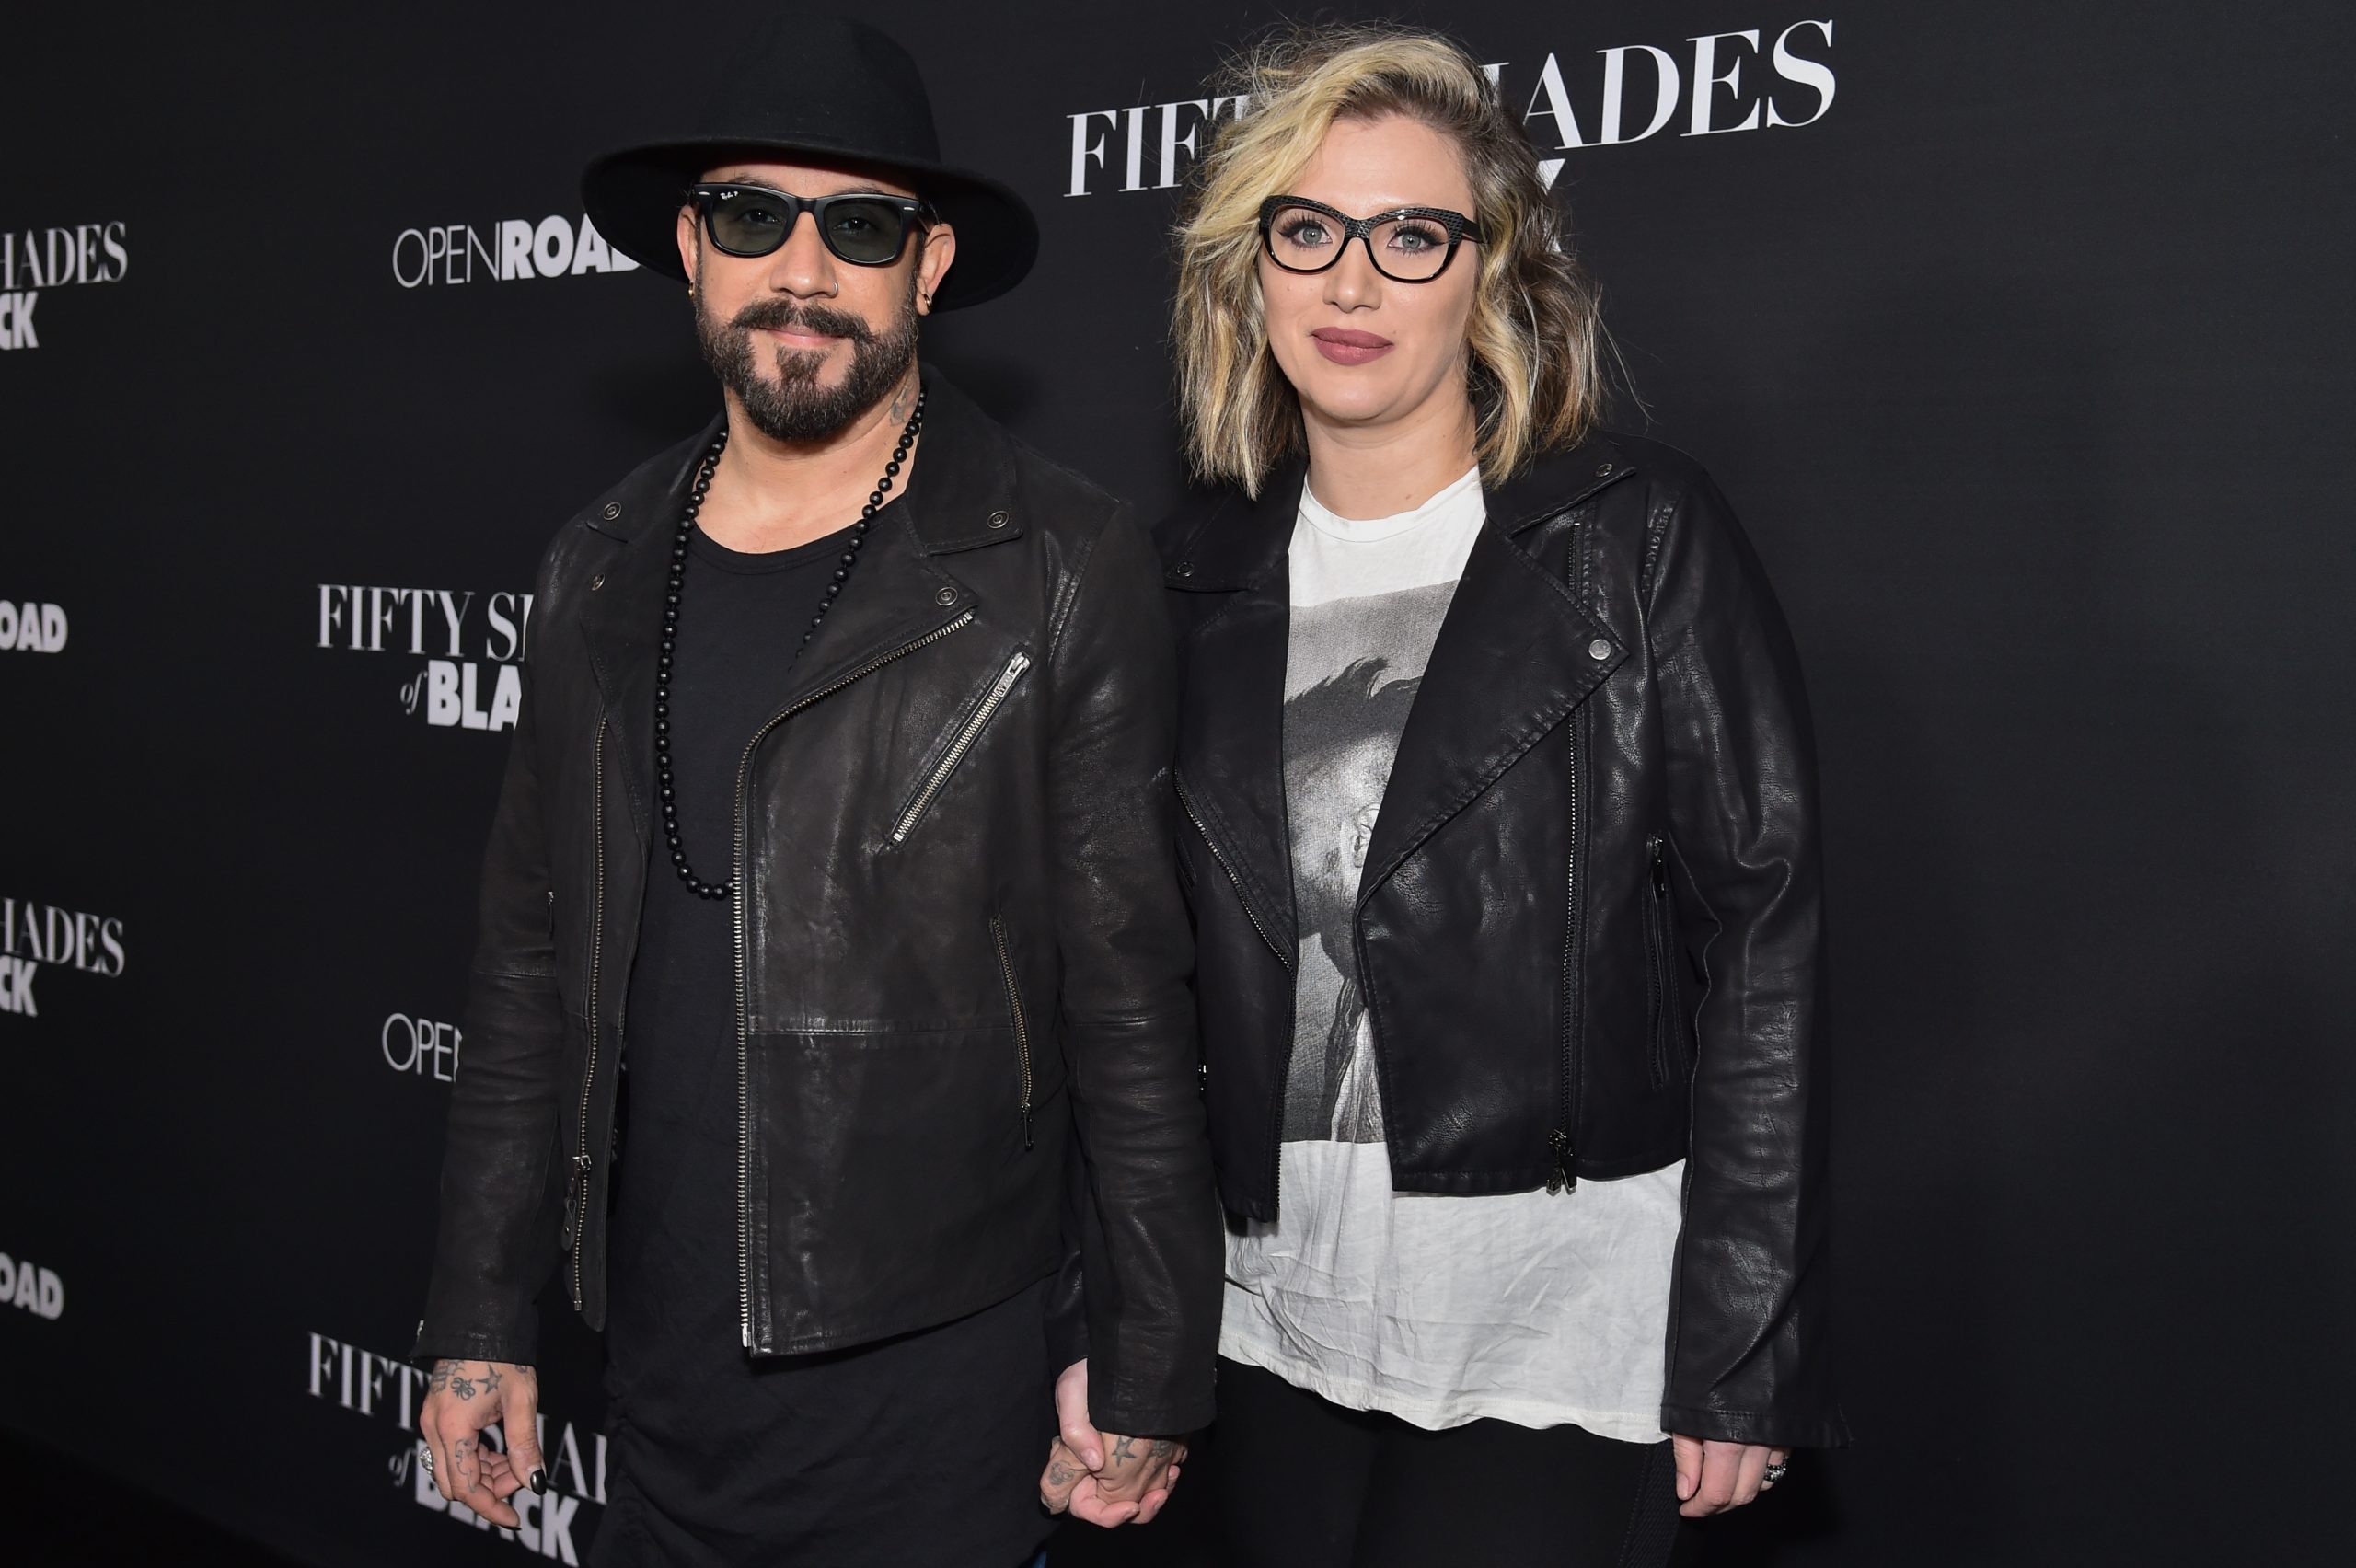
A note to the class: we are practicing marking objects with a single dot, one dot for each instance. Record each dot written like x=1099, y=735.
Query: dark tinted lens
x=749, y=223
x=867, y=232
x=1412, y=249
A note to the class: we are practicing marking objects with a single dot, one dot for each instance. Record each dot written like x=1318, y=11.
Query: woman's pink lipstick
x=1344, y=347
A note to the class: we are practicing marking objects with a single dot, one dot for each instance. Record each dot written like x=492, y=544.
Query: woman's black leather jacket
x=1590, y=928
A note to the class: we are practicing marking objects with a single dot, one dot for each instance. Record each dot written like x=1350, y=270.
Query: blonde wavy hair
x=1535, y=343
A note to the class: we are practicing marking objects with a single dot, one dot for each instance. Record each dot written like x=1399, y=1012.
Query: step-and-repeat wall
x=2017, y=332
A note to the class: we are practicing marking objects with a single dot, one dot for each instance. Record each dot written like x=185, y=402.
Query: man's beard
x=793, y=406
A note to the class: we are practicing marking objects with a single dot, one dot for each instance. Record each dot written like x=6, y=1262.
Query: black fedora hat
x=811, y=86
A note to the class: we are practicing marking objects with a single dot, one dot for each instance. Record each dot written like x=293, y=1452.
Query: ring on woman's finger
x=426, y=1459
x=1773, y=1473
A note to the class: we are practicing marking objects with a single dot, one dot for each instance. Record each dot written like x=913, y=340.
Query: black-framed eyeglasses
x=1408, y=245
x=866, y=228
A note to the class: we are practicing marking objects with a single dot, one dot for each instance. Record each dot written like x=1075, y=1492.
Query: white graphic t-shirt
x=1542, y=1310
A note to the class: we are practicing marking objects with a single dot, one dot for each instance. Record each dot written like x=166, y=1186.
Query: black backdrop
x=2024, y=358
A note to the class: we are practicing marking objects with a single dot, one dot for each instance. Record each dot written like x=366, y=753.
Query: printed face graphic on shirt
x=1351, y=674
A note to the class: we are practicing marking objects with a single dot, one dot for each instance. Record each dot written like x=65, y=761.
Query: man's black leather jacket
x=1590, y=929
x=960, y=938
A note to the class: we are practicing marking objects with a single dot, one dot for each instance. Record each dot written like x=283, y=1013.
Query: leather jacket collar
x=962, y=459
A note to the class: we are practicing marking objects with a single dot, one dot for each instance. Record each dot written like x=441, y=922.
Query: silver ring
x=1774, y=1474
x=426, y=1459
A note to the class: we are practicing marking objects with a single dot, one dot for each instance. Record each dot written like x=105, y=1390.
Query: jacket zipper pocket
x=1660, y=988
x=1014, y=1010
x=1188, y=807
x=578, y=1207
x=966, y=735
x=736, y=920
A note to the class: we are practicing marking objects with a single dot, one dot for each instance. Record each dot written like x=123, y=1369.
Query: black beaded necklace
x=696, y=885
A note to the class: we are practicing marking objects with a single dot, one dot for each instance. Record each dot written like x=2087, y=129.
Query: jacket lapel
x=962, y=479
x=1514, y=655
x=1231, y=737
x=621, y=616
x=961, y=476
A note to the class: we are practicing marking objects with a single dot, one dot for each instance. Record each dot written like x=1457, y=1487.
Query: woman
x=1499, y=823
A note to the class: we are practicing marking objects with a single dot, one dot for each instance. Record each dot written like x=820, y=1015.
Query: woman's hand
x=1714, y=1477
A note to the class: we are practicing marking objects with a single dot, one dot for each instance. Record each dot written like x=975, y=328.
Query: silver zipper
x=960, y=746
x=1014, y=1006
x=1560, y=1179
x=1559, y=1141
x=581, y=1162
x=743, y=1019
x=1212, y=845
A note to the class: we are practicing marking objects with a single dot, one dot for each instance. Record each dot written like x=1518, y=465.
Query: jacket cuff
x=1828, y=1430
x=433, y=1345
x=1130, y=1418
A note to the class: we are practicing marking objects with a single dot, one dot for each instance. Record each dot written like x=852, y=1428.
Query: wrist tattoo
x=452, y=1375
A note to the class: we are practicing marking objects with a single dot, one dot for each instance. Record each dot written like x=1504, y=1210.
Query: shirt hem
x=1621, y=1426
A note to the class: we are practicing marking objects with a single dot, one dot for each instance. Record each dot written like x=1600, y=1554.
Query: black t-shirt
x=741, y=616
x=720, y=1458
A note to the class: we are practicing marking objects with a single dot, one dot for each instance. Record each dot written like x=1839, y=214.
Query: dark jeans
x=1301, y=1482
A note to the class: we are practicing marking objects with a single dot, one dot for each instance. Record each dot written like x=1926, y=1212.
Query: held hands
x=464, y=1397
x=1103, y=1477
x=1714, y=1477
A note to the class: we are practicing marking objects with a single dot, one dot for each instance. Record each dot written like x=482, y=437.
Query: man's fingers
x=437, y=1450
x=519, y=1420
x=499, y=1473
x=1157, y=1498
x=1089, y=1504
x=471, y=1456
x=1063, y=1473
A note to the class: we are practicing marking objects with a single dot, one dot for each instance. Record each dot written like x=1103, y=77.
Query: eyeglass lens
x=1410, y=250
x=753, y=223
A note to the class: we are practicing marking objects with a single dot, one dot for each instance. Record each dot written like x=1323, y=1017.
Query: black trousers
x=1301, y=1482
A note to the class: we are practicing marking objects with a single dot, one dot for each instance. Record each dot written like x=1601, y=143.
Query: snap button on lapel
x=945, y=597
x=999, y=519
x=1598, y=649
x=613, y=509
x=1604, y=470
x=596, y=582
x=1185, y=569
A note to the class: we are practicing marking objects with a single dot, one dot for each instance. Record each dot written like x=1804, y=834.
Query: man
x=838, y=818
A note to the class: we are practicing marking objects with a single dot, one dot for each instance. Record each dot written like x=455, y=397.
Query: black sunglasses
x=865, y=228
x=1409, y=245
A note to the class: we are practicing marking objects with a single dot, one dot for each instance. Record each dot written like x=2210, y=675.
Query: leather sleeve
x=1747, y=1344
x=1146, y=1216
x=502, y=1183
x=1067, y=1293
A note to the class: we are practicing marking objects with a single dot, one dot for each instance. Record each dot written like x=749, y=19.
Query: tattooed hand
x=1105, y=1478
x=462, y=1400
